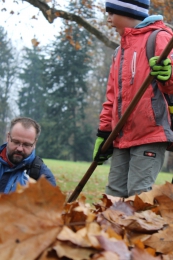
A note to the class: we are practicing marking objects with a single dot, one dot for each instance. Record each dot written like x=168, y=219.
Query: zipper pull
x=133, y=67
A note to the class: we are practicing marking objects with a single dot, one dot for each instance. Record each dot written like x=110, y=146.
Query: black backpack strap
x=34, y=168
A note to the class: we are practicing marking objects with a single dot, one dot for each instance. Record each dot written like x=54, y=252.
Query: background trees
x=67, y=72
x=32, y=94
x=62, y=85
x=7, y=80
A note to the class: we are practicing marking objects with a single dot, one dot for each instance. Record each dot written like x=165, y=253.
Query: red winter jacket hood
x=150, y=120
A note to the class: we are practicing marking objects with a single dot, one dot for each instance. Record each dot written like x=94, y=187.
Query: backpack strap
x=150, y=52
x=151, y=42
x=34, y=169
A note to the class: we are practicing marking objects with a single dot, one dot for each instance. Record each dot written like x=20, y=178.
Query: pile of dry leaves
x=37, y=223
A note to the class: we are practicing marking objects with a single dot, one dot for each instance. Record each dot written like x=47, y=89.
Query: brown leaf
x=139, y=205
x=123, y=207
x=93, y=230
x=165, y=207
x=77, y=238
x=31, y=212
x=113, y=199
x=161, y=241
x=35, y=43
x=104, y=204
x=29, y=248
x=75, y=220
x=157, y=190
x=76, y=214
x=146, y=221
x=106, y=222
x=117, y=211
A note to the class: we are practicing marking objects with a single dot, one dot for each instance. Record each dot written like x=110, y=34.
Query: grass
x=69, y=174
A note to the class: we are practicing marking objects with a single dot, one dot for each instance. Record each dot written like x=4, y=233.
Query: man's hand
x=163, y=70
x=98, y=156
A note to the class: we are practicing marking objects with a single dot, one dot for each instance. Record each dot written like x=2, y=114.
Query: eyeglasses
x=17, y=143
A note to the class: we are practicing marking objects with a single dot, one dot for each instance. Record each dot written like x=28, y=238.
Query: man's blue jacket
x=9, y=177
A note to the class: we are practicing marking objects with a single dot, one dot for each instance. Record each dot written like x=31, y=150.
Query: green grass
x=69, y=174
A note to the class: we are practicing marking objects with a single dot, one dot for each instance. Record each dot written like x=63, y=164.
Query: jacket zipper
x=13, y=183
x=133, y=67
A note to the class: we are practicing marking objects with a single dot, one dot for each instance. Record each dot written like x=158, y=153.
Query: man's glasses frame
x=18, y=143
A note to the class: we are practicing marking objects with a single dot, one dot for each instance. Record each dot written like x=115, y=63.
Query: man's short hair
x=27, y=122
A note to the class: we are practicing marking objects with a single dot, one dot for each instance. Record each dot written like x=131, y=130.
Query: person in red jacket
x=138, y=150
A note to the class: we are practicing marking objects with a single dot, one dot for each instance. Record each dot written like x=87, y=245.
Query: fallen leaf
x=162, y=241
x=165, y=207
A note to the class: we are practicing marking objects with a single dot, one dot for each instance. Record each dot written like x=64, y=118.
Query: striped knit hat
x=134, y=9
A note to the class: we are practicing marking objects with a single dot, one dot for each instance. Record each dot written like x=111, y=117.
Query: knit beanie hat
x=134, y=9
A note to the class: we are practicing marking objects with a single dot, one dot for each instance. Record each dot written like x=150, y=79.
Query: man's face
x=21, y=142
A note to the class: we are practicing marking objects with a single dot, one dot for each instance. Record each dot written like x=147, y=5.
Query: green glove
x=163, y=70
x=98, y=156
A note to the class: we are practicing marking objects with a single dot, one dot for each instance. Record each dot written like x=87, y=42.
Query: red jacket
x=150, y=120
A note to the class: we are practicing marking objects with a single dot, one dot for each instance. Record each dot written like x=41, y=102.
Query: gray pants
x=135, y=169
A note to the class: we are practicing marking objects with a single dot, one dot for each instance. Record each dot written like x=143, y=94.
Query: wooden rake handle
x=120, y=124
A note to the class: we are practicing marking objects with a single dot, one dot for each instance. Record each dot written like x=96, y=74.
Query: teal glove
x=163, y=70
x=98, y=156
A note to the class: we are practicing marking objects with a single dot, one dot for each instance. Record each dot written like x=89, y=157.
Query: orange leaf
x=77, y=46
x=141, y=254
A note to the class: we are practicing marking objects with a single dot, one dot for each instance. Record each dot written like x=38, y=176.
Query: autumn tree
x=57, y=9
x=52, y=10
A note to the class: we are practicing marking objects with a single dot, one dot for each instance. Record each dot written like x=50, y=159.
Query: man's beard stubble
x=16, y=157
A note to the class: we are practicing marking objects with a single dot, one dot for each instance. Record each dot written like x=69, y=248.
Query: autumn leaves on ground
x=37, y=223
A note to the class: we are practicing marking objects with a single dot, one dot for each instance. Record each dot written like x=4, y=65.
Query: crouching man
x=17, y=156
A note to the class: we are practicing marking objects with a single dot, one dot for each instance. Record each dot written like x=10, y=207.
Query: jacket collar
x=150, y=20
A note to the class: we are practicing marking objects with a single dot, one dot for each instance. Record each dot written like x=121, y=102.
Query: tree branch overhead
x=51, y=14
